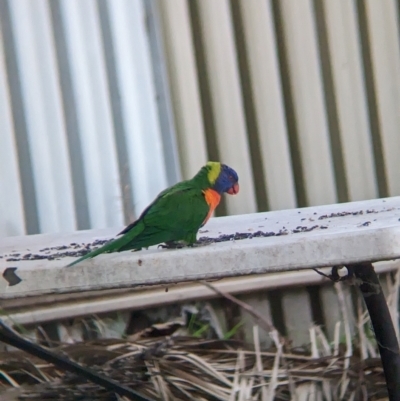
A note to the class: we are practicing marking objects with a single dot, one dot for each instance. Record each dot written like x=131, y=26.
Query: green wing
x=175, y=215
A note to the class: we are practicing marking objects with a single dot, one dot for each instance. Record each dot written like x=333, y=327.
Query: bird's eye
x=231, y=178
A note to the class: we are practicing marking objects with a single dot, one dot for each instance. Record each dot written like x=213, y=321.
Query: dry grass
x=164, y=363
x=172, y=367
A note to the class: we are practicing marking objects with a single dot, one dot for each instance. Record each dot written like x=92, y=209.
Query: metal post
x=382, y=323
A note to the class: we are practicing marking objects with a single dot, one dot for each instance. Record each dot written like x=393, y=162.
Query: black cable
x=8, y=336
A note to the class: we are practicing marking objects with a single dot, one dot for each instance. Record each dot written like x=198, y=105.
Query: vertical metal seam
x=277, y=311
x=372, y=101
x=314, y=293
x=336, y=146
x=291, y=120
x=116, y=110
x=204, y=83
x=29, y=198
x=69, y=109
x=205, y=92
x=164, y=98
x=249, y=108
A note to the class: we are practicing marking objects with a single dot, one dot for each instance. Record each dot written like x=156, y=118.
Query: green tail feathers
x=112, y=246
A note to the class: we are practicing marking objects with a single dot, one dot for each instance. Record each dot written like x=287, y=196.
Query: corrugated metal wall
x=303, y=97
x=98, y=98
x=81, y=107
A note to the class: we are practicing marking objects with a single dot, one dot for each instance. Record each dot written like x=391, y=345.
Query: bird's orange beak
x=234, y=190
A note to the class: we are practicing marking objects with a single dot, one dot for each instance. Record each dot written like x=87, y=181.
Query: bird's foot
x=172, y=245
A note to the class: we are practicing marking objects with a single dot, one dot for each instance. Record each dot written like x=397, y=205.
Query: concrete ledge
x=309, y=237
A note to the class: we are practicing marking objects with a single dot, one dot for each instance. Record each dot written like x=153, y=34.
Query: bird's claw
x=181, y=244
x=172, y=245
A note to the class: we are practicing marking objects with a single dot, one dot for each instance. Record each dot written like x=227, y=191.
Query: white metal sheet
x=258, y=28
x=11, y=204
x=94, y=112
x=226, y=98
x=351, y=102
x=384, y=33
x=184, y=84
x=42, y=102
x=298, y=317
x=307, y=91
x=138, y=101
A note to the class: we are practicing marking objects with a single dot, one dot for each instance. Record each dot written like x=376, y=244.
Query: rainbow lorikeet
x=177, y=213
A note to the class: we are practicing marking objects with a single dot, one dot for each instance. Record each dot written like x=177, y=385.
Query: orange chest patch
x=212, y=198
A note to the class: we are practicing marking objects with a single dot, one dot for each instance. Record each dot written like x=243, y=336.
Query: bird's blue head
x=223, y=178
